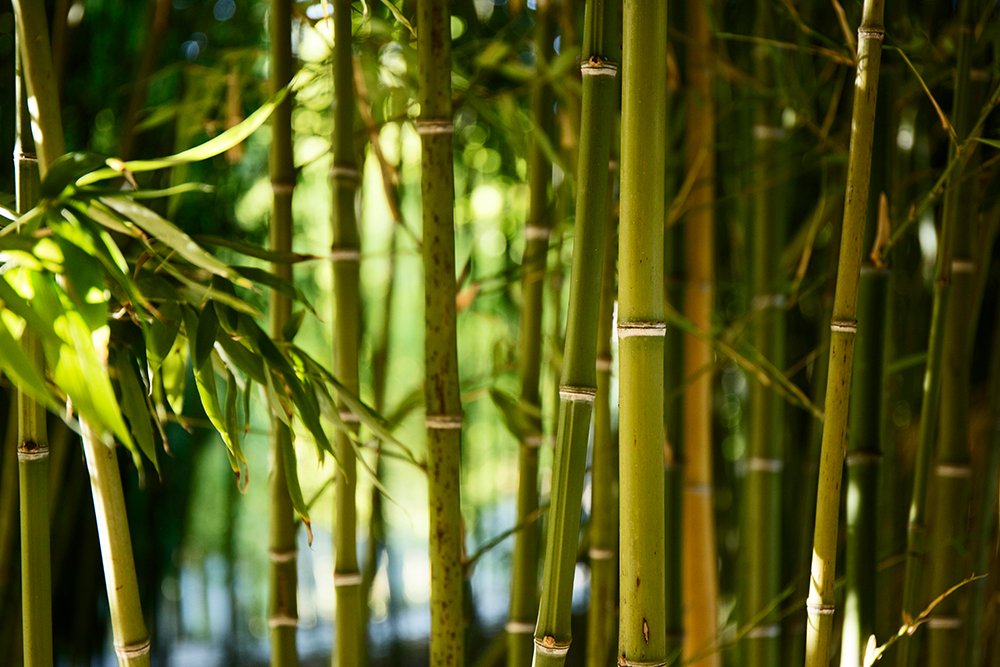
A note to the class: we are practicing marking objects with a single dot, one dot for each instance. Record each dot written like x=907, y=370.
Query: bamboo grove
x=558, y=332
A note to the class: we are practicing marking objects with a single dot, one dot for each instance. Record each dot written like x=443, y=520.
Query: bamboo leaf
x=250, y=250
x=292, y=480
x=398, y=14
x=207, y=331
x=994, y=143
x=136, y=409
x=21, y=370
x=66, y=170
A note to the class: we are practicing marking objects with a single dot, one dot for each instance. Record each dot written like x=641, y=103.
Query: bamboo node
x=700, y=489
x=348, y=417
x=345, y=255
x=603, y=363
x=764, y=631
x=963, y=266
x=862, y=458
x=640, y=328
x=427, y=126
x=25, y=157
x=625, y=662
x=598, y=66
x=536, y=232
x=549, y=645
x=443, y=422
x=282, y=621
x=953, y=471
x=276, y=556
x=762, y=301
x=282, y=187
x=132, y=651
x=871, y=33
x=346, y=579
x=30, y=450
x=600, y=554
x=534, y=440
x=944, y=622
x=768, y=132
x=844, y=326
x=764, y=464
x=345, y=172
x=519, y=628
x=820, y=608
x=577, y=394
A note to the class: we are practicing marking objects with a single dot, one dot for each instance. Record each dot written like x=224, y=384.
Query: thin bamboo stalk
x=39, y=76
x=578, y=379
x=603, y=531
x=32, y=437
x=441, y=388
x=863, y=462
x=346, y=254
x=641, y=325
x=820, y=603
x=283, y=578
x=701, y=588
x=524, y=571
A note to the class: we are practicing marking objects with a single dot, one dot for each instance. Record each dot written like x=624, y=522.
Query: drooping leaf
x=22, y=371
x=273, y=256
x=204, y=341
x=287, y=452
x=66, y=170
x=135, y=407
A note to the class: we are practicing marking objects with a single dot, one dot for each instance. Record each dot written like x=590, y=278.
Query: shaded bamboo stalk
x=524, y=570
x=602, y=615
x=863, y=461
x=820, y=604
x=32, y=436
x=578, y=378
x=346, y=255
x=701, y=588
x=10, y=608
x=642, y=637
x=441, y=388
x=283, y=577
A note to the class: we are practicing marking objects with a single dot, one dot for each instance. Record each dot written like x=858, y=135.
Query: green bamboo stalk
x=441, y=388
x=603, y=530
x=283, y=604
x=863, y=462
x=820, y=603
x=641, y=325
x=524, y=571
x=11, y=635
x=32, y=437
x=953, y=470
x=132, y=644
x=42, y=85
x=346, y=254
x=578, y=378
x=701, y=588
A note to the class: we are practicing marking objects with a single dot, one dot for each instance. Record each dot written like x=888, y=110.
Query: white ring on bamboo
x=820, y=608
x=644, y=329
x=536, y=232
x=577, y=394
x=699, y=489
x=345, y=255
x=600, y=554
x=944, y=622
x=862, y=458
x=347, y=580
x=281, y=556
x=871, y=33
x=133, y=650
x=431, y=126
x=625, y=662
x=282, y=622
x=953, y=471
x=844, y=326
x=519, y=628
x=282, y=188
x=443, y=422
x=25, y=157
x=603, y=363
x=347, y=173
x=534, y=440
x=764, y=464
x=768, y=132
x=549, y=646
x=348, y=417
x=963, y=266
x=32, y=454
x=764, y=632
x=599, y=68
x=613, y=164
x=762, y=301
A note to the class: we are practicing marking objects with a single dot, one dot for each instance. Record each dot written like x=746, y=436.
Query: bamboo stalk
x=441, y=388
x=283, y=580
x=524, y=570
x=641, y=325
x=578, y=378
x=346, y=254
x=603, y=530
x=700, y=578
x=820, y=603
x=32, y=436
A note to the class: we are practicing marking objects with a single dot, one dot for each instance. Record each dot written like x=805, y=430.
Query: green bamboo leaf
x=268, y=279
x=173, y=375
x=153, y=193
x=22, y=371
x=167, y=233
x=136, y=409
x=84, y=284
x=994, y=143
x=66, y=170
x=292, y=325
x=250, y=250
x=214, y=146
x=17, y=304
x=400, y=17
x=232, y=418
x=292, y=480
x=206, y=333
x=238, y=356
x=517, y=416
x=161, y=333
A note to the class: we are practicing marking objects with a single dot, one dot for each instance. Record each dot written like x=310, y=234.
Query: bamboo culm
x=346, y=254
x=283, y=577
x=820, y=604
x=441, y=388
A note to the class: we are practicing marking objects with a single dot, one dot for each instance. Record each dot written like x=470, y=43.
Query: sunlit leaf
x=133, y=402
